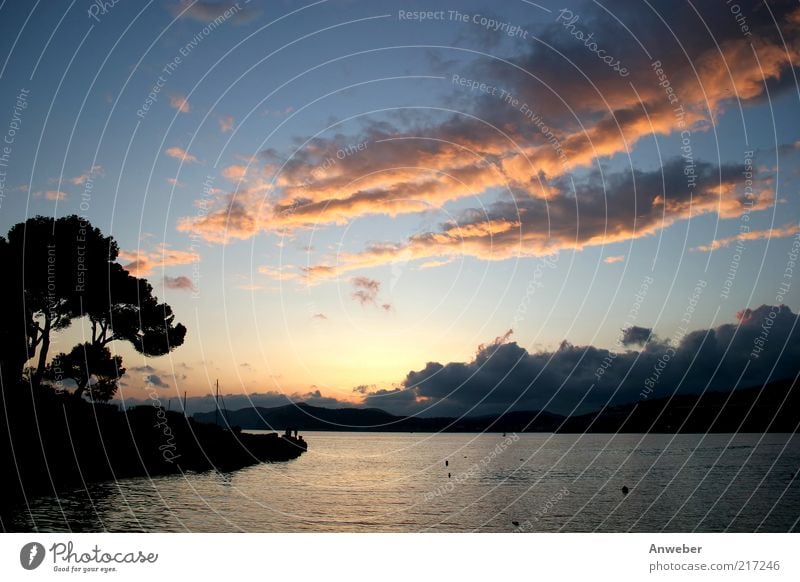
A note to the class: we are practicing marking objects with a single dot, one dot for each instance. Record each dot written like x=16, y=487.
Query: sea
x=447, y=482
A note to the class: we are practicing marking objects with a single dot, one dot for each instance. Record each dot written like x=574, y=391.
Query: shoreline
x=53, y=443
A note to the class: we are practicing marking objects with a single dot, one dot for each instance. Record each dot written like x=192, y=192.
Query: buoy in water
x=515, y=523
x=448, y=475
x=625, y=490
x=446, y=463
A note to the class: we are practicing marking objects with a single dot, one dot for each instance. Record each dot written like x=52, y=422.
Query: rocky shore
x=54, y=442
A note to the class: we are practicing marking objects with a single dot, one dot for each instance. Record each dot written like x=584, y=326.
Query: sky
x=450, y=207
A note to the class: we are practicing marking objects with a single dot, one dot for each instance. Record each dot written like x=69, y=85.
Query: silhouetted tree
x=130, y=312
x=51, y=260
x=93, y=369
x=66, y=269
x=16, y=326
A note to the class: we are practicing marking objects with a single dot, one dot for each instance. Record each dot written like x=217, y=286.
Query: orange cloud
x=50, y=194
x=179, y=102
x=621, y=211
x=91, y=173
x=226, y=123
x=250, y=287
x=279, y=273
x=520, y=157
x=179, y=153
x=235, y=172
x=614, y=259
x=141, y=263
x=228, y=218
x=434, y=264
x=769, y=233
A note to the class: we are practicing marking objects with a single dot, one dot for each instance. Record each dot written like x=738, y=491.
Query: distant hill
x=301, y=416
x=772, y=408
x=304, y=416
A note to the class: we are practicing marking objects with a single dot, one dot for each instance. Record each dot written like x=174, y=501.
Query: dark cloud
x=560, y=74
x=181, y=283
x=204, y=11
x=505, y=376
x=365, y=290
x=364, y=389
x=320, y=316
x=609, y=206
x=600, y=208
x=763, y=345
x=148, y=374
x=788, y=148
x=156, y=381
x=636, y=335
x=581, y=112
x=147, y=369
x=472, y=35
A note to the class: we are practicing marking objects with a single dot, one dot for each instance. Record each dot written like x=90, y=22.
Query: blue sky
x=294, y=275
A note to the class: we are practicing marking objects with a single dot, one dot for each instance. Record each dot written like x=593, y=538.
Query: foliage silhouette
x=93, y=369
x=68, y=270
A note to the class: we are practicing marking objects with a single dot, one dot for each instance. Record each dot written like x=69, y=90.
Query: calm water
x=399, y=482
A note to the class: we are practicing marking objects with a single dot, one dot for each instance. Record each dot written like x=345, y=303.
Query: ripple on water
x=398, y=482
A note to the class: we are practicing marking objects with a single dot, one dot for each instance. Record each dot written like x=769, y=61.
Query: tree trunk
x=45, y=347
x=80, y=389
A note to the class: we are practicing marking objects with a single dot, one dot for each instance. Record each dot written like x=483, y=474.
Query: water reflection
x=399, y=482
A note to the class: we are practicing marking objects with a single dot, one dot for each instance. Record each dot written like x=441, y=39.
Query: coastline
x=52, y=443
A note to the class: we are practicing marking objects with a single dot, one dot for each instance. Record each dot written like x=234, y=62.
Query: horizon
x=207, y=404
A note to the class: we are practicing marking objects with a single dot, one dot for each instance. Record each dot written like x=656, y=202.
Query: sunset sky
x=332, y=195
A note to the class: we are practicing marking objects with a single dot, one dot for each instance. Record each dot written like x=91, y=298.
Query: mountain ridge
x=774, y=407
